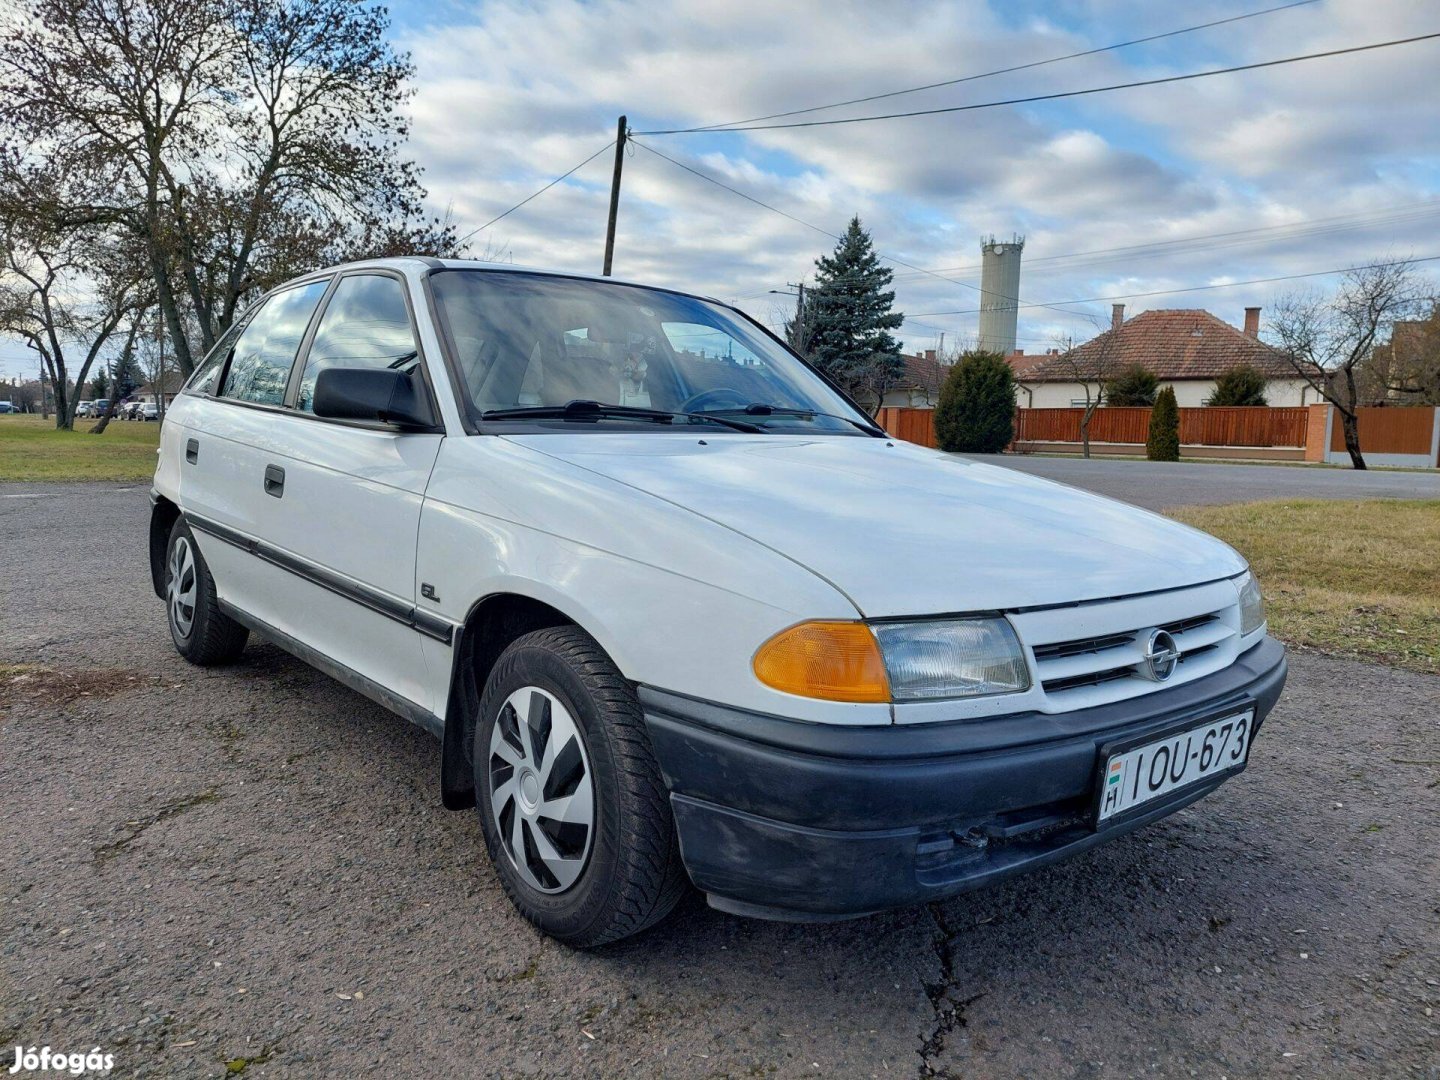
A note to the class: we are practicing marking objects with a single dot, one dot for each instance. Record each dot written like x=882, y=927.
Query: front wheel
x=574, y=809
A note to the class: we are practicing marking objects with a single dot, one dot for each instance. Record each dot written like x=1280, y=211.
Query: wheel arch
x=492, y=623
x=163, y=515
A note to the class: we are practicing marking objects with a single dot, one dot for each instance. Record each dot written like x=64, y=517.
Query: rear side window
x=365, y=325
x=203, y=381
x=266, y=348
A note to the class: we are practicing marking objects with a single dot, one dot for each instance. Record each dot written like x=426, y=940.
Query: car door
x=344, y=497
x=237, y=395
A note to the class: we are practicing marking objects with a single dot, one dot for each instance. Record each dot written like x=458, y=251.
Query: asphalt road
x=1158, y=485
x=252, y=863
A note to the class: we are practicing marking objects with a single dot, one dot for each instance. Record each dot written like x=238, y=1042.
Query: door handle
x=274, y=480
x=192, y=450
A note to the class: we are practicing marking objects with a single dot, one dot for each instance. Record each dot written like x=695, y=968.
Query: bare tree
x=236, y=142
x=1327, y=338
x=64, y=298
x=1406, y=369
x=1092, y=365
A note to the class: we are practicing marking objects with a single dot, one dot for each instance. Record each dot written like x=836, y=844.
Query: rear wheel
x=575, y=812
x=202, y=633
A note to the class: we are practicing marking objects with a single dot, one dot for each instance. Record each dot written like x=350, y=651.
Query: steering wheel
x=714, y=397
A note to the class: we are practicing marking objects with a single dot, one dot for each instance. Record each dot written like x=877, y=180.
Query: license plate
x=1133, y=777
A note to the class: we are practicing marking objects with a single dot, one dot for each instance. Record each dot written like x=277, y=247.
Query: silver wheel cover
x=542, y=801
x=180, y=586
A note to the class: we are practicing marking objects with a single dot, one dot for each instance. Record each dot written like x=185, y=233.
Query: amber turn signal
x=836, y=661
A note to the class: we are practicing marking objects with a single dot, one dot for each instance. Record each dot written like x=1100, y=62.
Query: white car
x=678, y=609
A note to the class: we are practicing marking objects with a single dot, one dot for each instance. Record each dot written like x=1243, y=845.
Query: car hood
x=902, y=530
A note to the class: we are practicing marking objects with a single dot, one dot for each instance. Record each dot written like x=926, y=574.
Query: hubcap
x=541, y=799
x=180, y=586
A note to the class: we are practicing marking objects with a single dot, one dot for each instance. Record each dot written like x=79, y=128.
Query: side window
x=265, y=351
x=365, y=325
x=203, y=380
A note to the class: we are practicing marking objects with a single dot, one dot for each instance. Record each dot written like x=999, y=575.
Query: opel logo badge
x=1161, y=656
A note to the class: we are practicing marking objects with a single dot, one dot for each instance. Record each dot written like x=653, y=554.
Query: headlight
x=1252, y=604
x=954, y=658
x=903, y=661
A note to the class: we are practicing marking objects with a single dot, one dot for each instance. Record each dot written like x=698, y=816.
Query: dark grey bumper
x=785, y=819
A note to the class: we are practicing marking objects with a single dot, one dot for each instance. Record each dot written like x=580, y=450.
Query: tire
x=555, y=698
x=202, y=633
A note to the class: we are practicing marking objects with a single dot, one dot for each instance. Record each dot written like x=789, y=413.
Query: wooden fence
x=911, y=425
x=1213, y=426
x=1386, y=430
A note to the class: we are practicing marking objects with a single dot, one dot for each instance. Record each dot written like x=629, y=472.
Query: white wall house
x=1186, y=349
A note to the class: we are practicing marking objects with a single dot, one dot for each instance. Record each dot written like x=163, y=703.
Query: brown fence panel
x=911, y=425
x=1388, y=430
x=1258, y=425
x=1211, y=426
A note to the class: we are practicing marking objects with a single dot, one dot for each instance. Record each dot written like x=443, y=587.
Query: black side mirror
x=384, y=394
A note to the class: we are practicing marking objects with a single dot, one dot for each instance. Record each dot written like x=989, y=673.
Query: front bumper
x=791, y=820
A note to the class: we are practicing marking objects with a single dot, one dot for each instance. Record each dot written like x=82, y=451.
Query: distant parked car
x=98, y=406
x=149, y=411
x=6, y=407
x=84, y=409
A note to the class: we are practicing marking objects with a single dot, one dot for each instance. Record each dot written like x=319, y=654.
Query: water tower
x=999, y=292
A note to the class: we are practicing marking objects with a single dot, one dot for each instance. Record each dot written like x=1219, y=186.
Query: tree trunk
x=1350, y=424
x=1085, y=432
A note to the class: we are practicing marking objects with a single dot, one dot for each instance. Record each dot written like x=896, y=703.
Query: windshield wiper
x=760, y=408
x=583, y=409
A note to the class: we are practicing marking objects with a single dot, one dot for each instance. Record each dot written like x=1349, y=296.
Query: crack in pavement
x=105, y=852
x=948, y=1006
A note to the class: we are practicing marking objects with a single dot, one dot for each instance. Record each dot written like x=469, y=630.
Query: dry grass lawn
x=1358, y=579
x=32, y=450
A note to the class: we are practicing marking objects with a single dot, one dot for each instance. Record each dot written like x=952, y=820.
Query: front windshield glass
x=528, y=345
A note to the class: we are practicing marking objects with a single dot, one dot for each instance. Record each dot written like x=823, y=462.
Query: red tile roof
x=922, y=373
x=1175, y=344
x=1023, y=362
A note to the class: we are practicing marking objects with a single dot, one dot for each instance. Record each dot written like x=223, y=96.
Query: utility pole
x=620, y=131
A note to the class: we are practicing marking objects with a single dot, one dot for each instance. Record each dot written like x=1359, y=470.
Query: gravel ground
x=1161, y=484
x=252, y=866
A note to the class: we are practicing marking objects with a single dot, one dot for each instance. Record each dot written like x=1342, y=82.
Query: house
x=919, y=386
x=1186, y=348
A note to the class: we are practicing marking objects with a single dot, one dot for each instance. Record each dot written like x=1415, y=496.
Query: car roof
x=412, y=264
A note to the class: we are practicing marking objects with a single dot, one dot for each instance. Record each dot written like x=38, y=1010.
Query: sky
x=1289, y=170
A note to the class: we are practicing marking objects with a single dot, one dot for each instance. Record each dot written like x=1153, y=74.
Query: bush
x=1164, y=441
x=976, y=413
x=1242, y=384
x=1132, y=385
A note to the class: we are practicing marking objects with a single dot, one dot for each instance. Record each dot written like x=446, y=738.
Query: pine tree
x=1243, y=384
x=850, y=315
x=99, y=384
x=1164, y=441
x=976, y=412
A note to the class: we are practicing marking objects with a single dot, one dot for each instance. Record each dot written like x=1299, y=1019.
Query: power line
x=1391, y=215
x=1007, y=70
x=817, y=228
x=1055, y=96
x=542, y=191
x=1196, y=288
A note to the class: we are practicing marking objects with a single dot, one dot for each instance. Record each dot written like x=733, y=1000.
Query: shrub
x=1132, y=385
x=976, y=412
x=1164, y=441
x=1243, y=384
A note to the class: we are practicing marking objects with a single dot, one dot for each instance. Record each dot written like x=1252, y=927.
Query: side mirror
x=384, y=394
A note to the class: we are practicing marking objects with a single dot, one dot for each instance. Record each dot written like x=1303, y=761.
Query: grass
x=31, y=450
x=1356, y=579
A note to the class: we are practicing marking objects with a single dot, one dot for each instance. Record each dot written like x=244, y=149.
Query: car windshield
x=526, y=346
